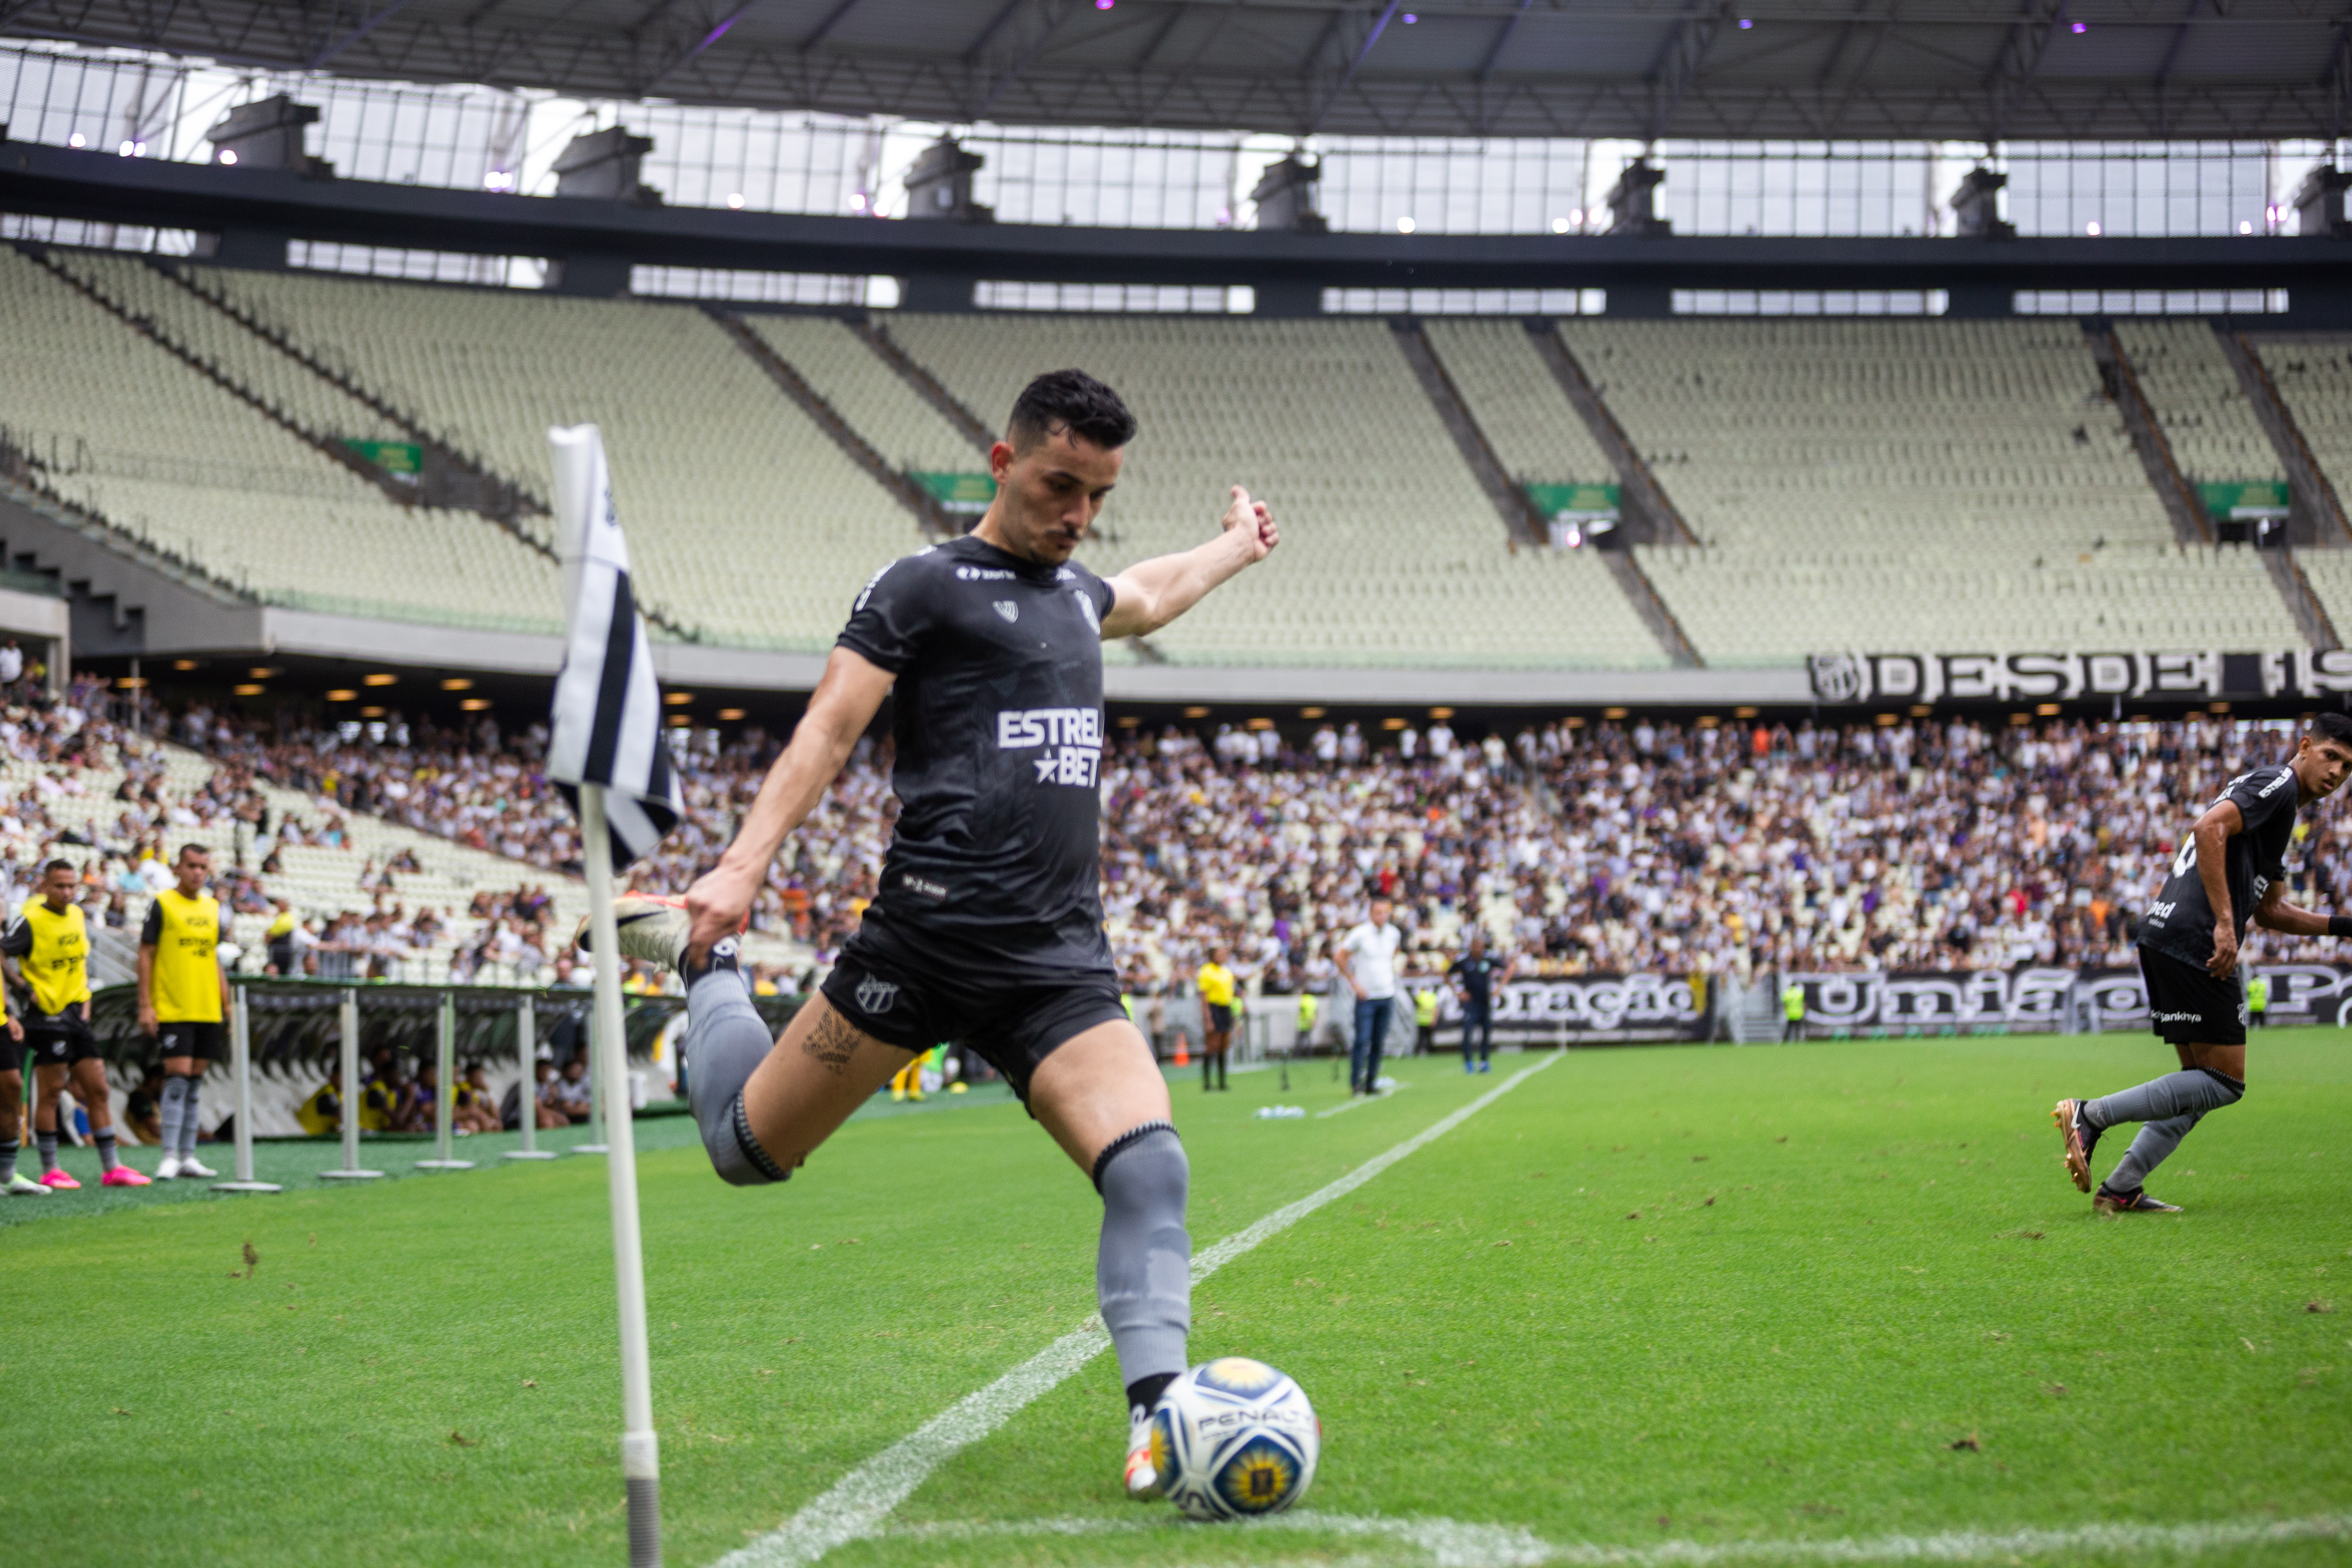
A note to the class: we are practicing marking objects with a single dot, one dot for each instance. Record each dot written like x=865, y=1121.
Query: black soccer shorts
x=205, y=1041
x=2185, y=1006
x=1012, y=1008
x=63, y=1039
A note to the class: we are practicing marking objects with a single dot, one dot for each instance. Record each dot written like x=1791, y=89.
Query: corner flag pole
x=640, y=1450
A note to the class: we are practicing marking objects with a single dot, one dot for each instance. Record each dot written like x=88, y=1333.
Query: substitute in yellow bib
x=51, y=946
x=183, y=998
x=1216, y=984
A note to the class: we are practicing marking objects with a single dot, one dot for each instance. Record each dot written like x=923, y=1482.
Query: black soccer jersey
x=999, y=727
x=2180, y=921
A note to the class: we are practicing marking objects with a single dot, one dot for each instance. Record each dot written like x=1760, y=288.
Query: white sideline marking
x=858, y=1502
x=1454, y=1543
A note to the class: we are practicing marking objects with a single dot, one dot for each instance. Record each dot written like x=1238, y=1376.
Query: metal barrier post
x=350, y=1170
x=240, y=1041
x=526, y=1093
x=445, y=1075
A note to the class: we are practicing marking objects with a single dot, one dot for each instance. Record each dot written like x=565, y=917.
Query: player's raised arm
x=1151, y=593
x=844, y=704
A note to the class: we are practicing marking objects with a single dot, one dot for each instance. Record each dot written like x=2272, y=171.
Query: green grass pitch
x=1702, y=1296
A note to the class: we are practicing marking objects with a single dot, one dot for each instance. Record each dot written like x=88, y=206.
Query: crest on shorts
x=1010, y=610
x=875, y=995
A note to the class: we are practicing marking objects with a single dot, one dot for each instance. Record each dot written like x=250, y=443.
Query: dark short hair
x=193, y=849
x=58, y=866
x=2335, y=726
x=1072, y=401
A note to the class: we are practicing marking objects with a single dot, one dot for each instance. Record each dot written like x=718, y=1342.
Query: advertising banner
x=1603, y=1007
x=958, y=492
x=2129, y=674
x=2034, y=1000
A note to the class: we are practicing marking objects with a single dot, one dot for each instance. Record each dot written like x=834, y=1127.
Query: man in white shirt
x=1367, y=960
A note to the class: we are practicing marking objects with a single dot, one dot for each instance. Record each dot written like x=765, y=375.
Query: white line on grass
x=1454, y=1543
x=856, y=1504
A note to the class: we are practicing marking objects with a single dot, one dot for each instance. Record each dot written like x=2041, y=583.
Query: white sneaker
x=190, y=1166
x=22, y=1186
x=170, y=1170
x=1143, y=1458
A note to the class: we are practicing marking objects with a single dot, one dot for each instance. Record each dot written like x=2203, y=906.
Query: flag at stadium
x=607, y=720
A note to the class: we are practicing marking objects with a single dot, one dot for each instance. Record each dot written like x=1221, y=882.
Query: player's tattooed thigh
x=833, y=1042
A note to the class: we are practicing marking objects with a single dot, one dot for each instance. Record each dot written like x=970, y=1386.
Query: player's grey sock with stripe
x=2158, y=1099
x=1144, y=1271
x=8, y=1147
x=170, y=1111
x=47, y=1144
x=2167, y=1108
x=107, y=1159
x=2152, y=1146
x=188, y=1122
x=726, y=1040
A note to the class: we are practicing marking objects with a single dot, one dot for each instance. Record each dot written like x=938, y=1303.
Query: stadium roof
x=1803, y=69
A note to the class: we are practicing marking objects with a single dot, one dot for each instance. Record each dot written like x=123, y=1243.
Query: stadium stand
x=747, y=525
x=878, y=404
x=1864, y=483
x=138, y=289
x=2313, y=372
x=1732, y=849
x=1539, y=438
x=2197, y=402
x=121, y=428
x=1407, y=558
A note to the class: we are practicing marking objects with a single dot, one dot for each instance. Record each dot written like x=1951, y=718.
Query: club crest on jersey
x=876, y=996
x=1010, y=610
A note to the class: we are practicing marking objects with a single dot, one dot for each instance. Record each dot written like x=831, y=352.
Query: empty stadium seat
x=171, y=459
x=1392, y=555
x=1907, y=485
x=2194, y=393
x=746, y=523
x=1509, y=390
x=909, y=433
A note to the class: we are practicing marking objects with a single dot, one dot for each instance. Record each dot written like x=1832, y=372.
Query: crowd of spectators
x=1732, y=848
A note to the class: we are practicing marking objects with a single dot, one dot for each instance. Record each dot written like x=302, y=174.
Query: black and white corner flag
x=608, y=713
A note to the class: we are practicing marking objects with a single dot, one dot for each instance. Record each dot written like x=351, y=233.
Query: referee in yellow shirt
x=183, y=998
x=1216, y=985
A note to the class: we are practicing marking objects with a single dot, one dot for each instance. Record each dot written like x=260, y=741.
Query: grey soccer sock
x=1144, y=1271
x=2174, y=1095
x=47, y=1144
x=104, y=1138
x=2149, y=1149
x=8, y=1147
x=170, y=1111
x=188, y=1124
x=726, y=1040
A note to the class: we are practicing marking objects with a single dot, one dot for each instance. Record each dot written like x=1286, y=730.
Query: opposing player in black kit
x=2231, y=868
x=987, y=928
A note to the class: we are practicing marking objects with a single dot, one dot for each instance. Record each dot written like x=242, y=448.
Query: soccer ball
x=1234, y=1439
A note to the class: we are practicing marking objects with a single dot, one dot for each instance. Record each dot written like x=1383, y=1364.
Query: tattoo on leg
x=833, y=1042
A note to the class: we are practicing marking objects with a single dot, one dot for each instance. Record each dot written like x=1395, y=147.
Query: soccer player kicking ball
x=50, y=944
x=988, y=927
x=183, y=998
x=2231, y=868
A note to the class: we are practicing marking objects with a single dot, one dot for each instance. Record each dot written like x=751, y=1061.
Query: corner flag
x=608, y=758
x=608, y=720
